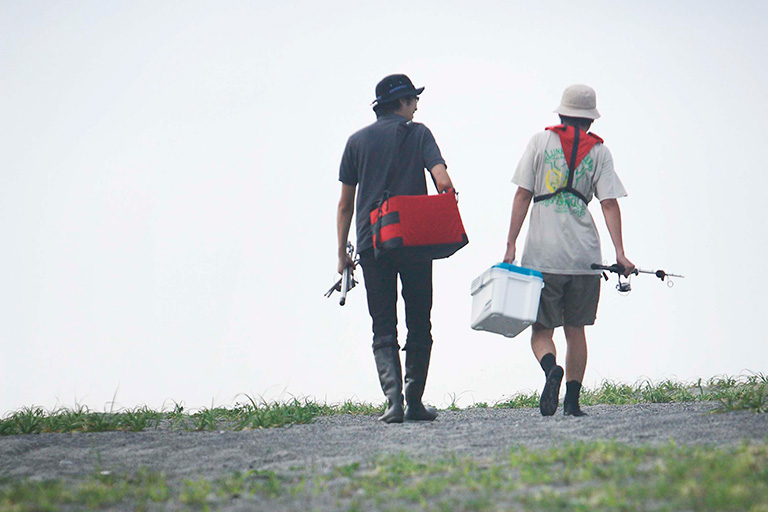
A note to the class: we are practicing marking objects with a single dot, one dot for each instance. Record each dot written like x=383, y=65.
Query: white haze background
x=168, y=189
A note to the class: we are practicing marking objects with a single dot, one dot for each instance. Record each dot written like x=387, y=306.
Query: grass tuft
x=252, y=414
x=746, y=392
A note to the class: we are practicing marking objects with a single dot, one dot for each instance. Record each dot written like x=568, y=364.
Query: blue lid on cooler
x=520, y=270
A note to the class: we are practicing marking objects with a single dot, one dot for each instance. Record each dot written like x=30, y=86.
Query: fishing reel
x=347, y=280
x=624, y=287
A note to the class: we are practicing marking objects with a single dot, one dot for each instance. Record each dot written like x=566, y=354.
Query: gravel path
x=340, y=440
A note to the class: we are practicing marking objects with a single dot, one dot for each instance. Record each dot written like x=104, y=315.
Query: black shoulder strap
x=403, y=129
x=574, y=153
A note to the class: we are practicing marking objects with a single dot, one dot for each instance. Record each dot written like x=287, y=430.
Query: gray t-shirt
x=367, y=160
x=562, y=237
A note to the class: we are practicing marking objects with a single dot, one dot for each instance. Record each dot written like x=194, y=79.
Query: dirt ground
x=340, y=440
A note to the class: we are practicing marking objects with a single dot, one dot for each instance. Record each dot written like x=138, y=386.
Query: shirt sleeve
x=348, y=167
x=430, y=150
x=525, y=175
x=607, y=182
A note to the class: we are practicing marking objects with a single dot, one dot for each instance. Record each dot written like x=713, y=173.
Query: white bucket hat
x=578, y=101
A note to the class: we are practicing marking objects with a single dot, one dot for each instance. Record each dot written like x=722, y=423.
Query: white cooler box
x=505, y=299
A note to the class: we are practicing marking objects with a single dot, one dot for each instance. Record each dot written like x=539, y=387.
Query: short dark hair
x=390, y=107
x=581, y=122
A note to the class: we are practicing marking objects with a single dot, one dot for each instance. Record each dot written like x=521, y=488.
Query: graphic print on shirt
x=556, y=176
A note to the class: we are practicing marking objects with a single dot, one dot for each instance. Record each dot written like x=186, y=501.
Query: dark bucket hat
x=393, y=87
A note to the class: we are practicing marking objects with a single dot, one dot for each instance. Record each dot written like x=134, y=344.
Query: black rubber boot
x=550, y=395
x=571, y=402
x=416, y=368
x=391, y=379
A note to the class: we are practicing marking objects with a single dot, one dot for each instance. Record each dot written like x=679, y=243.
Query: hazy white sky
x=168, y=189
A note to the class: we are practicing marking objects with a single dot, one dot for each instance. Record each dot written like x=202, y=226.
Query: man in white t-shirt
x=562, y=239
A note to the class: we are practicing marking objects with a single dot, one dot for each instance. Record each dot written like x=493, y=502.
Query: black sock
x=572, y=391
x=547, y=363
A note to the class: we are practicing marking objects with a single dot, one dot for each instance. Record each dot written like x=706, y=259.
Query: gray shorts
x=568, y=300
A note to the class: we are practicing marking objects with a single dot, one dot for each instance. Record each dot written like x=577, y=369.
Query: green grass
x=99, y=491
x=746, y=392
x=595, y=476
x=250, y=415
x=35, y=420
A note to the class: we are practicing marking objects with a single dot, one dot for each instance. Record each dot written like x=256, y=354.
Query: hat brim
x=400, y=94
x=591, y=113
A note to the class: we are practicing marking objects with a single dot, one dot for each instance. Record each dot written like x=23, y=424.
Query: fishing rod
x=347, y=280
x=624, y=286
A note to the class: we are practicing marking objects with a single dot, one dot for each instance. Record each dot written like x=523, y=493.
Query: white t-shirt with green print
x=562, y=237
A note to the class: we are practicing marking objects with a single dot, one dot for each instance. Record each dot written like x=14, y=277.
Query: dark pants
x=381, y=287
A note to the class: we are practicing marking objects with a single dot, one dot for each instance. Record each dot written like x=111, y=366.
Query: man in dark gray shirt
x=392, y=154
